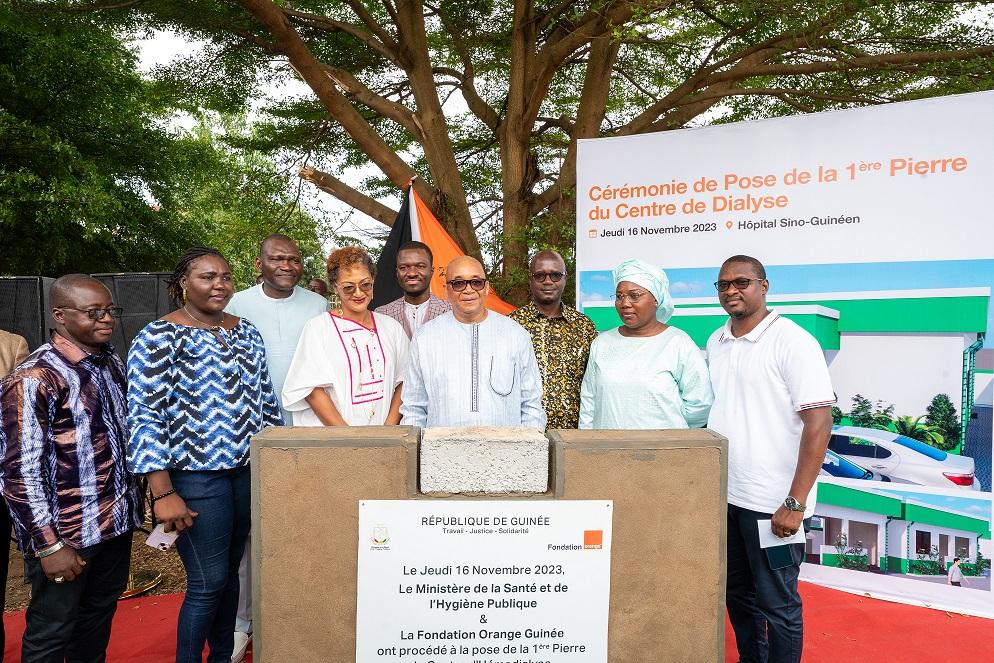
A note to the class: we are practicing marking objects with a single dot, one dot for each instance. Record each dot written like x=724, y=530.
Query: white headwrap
x=652, y=279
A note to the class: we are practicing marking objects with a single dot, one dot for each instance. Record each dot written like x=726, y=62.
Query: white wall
x=935, y=531
x=904, y=369
x=846, y=514
x=983, y=388
x=897, y=539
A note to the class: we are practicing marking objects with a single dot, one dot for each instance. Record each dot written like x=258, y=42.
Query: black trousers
x=763, y=604
x=71, y=621
x=4, y=563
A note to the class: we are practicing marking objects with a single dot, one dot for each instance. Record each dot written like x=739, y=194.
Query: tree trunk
x=449, y=204
x=517, y=163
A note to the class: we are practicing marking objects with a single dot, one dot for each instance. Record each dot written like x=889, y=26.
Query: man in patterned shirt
x=561, y=336
x=63, y=430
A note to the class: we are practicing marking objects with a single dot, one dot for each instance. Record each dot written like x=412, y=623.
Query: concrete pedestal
x=667, y=567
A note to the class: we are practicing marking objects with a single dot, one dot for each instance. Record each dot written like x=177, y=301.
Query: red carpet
x=838, y=627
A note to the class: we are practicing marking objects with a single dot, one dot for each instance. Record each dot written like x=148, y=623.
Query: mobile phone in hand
x=161, y=539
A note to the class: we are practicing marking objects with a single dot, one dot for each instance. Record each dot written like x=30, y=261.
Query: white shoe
x=242, y=641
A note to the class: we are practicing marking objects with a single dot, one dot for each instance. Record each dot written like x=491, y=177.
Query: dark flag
x=415, y=221
x=385, y=287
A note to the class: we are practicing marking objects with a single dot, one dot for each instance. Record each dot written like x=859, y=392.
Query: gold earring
x=184, y=295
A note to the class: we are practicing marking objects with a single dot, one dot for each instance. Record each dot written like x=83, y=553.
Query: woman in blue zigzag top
x=198, y=390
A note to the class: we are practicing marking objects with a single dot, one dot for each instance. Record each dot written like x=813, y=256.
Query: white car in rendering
x=902, y=459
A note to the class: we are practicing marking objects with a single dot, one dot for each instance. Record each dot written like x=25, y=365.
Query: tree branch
x=449, y=201
x=352, y=197
x=747, y=58
x=98, y=7
x=387, y=49
x=392, y=110
x=477, y=106
x=589, y=116
x=314, y=74
x=560, y=122
x=869, y=62
x=371, y=23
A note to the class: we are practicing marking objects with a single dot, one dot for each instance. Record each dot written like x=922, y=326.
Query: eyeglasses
x=460, y=284
x=350, y=288
x=740, y=284
x=632, y=296
x=98, y=313
x=539, y=277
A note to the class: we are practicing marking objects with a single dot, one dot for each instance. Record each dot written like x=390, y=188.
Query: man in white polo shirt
x=772, y=400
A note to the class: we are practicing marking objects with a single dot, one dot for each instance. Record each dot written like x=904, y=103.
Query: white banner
x=896, y=182
x=875, y=231
x=483, y=581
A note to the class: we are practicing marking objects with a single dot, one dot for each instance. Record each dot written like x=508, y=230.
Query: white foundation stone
x=484, y=460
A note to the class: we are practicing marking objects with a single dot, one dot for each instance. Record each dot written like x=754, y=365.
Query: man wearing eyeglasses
x=63, y=431
x=772, y=400
x=472, y=366
x=561, y=336
x=418, y=305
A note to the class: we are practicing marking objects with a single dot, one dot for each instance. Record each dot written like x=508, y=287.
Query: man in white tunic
x=472, y=366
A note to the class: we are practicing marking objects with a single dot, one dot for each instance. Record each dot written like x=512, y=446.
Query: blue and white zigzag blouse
x=194, y=403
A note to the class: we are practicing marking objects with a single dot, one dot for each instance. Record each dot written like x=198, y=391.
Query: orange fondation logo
x=593, y=539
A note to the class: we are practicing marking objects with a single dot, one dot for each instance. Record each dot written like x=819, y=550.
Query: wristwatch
x=793, y=505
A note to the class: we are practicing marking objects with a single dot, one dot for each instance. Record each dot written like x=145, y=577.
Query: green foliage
x=941, y=415
x=854, y=557
x=866, y=414
x=977, y=567
x=929, y=564
x=82, y=155
x=88, y=171
x=237, y=197
x=90, y=177
x=913, y=428
x=664, y=61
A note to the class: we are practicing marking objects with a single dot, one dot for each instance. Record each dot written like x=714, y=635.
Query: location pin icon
x=728, y=224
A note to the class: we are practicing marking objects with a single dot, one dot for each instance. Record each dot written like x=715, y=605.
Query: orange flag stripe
x=445, y=249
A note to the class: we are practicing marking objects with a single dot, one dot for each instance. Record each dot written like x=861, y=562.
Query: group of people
x=80, y=430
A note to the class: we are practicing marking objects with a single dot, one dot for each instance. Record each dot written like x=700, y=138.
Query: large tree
x=498, y=164
x=82, y=158
x=92, y=179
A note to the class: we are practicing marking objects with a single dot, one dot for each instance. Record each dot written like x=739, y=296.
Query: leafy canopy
x=91, y=179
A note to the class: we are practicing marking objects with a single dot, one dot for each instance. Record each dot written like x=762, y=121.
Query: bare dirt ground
x=146, y=562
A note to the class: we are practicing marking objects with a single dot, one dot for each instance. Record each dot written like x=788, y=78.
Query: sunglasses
x=350, y=288
x=539, y=277
x=98, y=313
x=460, y=284
x=740, y=284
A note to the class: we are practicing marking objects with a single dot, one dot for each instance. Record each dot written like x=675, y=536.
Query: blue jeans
x=210, y=551
x=763, y=604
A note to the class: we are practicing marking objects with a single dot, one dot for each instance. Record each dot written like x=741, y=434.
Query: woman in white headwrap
x=644, y=374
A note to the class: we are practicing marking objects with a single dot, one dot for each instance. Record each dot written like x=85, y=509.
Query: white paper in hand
x=768, y=539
